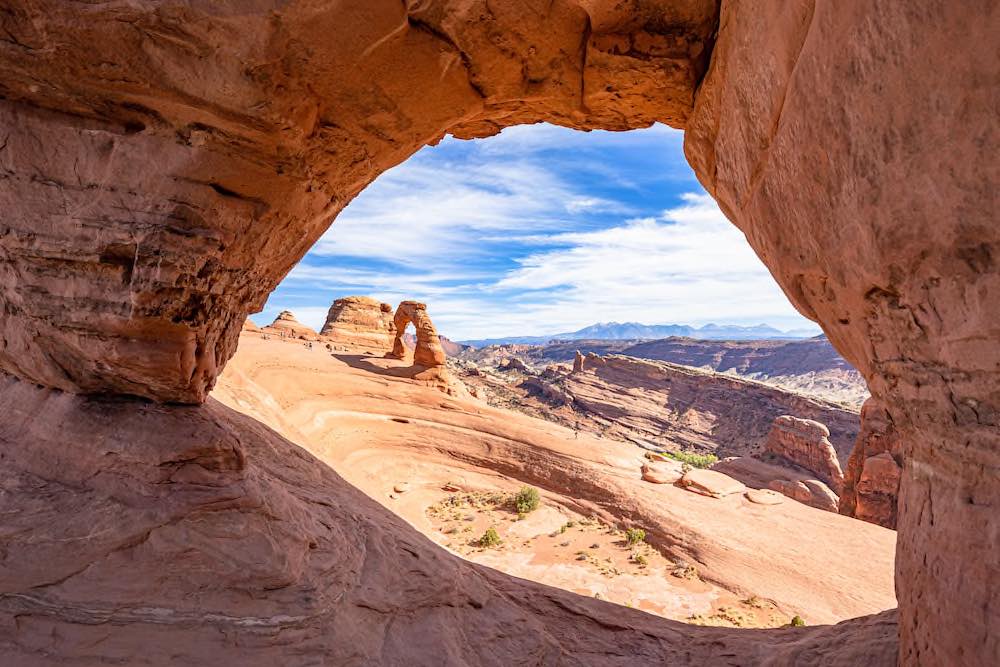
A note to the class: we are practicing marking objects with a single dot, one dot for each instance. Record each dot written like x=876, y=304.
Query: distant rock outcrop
x=286, y=326
x=360, y=321
x=805, y=443
x=250, y=325
x=428, y=351
x=871, y=484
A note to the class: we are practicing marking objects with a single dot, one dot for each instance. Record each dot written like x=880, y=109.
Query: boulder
x=805, y=443
x=711, y=483
x=662, y=472
x=764, y=497
x=810, y=492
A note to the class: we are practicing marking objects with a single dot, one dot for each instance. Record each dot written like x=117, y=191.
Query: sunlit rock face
x=165, y=164
x=855, y=145
x=428, y=351
x=360, y=322
x=871, y=488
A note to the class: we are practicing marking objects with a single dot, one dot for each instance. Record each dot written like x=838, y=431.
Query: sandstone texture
x=662, y=472
x=286, y=326
x=360, y=322
x=871, y=487
x=660, y=405
x=165, y=164
x=812, y=492
x=764, y=497
x=711, y=483
x=428, y=351
x=805, y=443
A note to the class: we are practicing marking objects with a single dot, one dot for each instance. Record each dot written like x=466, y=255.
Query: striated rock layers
x=428, y=351
x=286, y=326
x=360, y=322
x=805, y=443
x=871, y=485
x=165, y=164
x=666, y=405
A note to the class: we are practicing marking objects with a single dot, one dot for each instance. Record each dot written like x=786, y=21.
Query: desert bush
x=797, y=621
x=526, y=500
x=692, y=459
x=634, y=536
x=489, y=539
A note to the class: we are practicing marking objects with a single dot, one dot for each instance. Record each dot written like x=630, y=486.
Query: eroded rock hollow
x=165, y=164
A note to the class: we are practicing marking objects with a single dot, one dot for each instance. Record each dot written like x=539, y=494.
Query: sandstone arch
x=428, y=351
x=165, y=164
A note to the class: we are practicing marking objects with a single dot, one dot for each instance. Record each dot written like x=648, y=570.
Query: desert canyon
x=181, y=487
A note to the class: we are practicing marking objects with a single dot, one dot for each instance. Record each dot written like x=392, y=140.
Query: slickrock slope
x=360, y=322
x=164, y=164
x=380, y=430
x=285, y=325
x=655, y=403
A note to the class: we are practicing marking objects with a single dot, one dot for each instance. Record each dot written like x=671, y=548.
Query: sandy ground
x=433, y=458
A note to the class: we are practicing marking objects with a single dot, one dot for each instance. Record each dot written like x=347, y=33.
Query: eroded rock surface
x=428, y=351
x=805, y=443
x=286, y=326
x=871, y=487
x=360, y=321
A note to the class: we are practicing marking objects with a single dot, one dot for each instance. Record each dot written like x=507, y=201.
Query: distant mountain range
x=637, y=331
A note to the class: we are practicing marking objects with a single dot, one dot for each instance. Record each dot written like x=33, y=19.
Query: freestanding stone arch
x=164, y=164
x=428, y=351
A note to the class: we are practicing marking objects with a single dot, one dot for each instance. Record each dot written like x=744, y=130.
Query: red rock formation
x=805, y=443
x=428, y=351
x=165, y=164
x=809, y=491
x=360, y=321
x=286, y=326
x=249, y=325
x=578, y=362
x=874, y=470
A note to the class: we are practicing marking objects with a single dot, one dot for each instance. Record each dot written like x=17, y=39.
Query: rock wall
x=871, y=487
x=360, y=321
x=806, y=443
x=428, y=351
x=855, y=143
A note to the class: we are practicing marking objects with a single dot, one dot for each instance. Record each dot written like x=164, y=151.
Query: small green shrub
x=797, y=621
x=489, y=539
x=634, y=536
x=526, y=500
x=639, y=560
x=692, y=459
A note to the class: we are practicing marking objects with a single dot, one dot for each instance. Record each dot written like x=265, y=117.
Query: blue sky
x=540, y=230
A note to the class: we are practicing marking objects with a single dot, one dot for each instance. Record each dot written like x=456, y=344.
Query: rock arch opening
x=163, y=167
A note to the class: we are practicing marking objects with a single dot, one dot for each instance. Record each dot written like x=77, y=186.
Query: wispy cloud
x=537, y=231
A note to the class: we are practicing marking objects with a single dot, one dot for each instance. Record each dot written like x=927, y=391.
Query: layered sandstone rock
x=805, y=443
x=286, y=326
x=251, y=326
x=428, y=351
x=841, y=138
x=165, y=164
x=711, y=483
x=811, y=492
x=871, y=485
x=360, y=322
